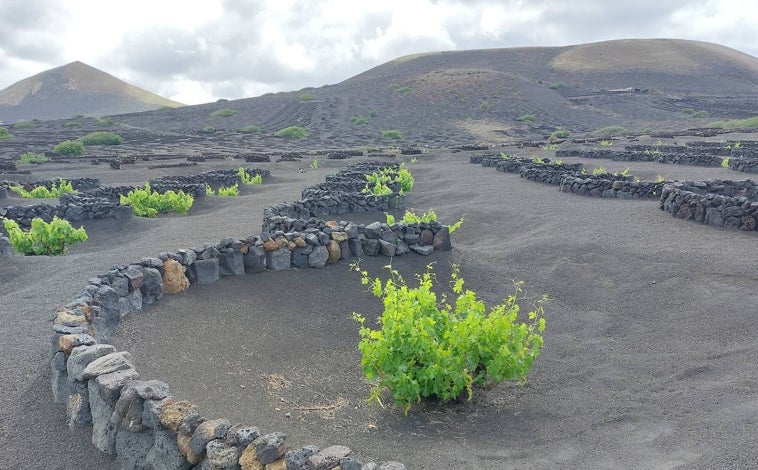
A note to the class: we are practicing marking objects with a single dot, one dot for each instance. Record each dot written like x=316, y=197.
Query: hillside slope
x=72, y=89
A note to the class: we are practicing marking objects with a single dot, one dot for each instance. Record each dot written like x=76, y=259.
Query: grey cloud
x=27, y=30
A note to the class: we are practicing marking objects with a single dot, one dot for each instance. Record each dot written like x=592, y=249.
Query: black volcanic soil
x=649, y=358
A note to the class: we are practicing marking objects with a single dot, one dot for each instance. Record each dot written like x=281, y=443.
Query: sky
x=201, y=51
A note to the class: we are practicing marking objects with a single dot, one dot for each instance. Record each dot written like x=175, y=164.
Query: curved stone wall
x=138, y=421
x=713, y=202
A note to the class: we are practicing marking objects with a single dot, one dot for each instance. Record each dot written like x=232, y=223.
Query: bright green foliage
x=406, y=178
x=377, y=183
x=390, y=218
x=149, y=203
x=427, y=348
x=538, y=160
x=377, y=189
x=725, y=163
x=31, y=157
x=223, y=113
x=101, y=138
x=606, y=143
x=600, y=170
x=247, y=178
x=411, y=217
x=660, y=179
x=72, y=148
x=393, y=134
x=229, y=191
x=304, y=97
x=249, y=129
x=456, y=225
x=23, y=125
x=549, y=147
x=41, y=192
x=314, y=164
x=209, y=191
x=44, y=238
x=4, y=134
x=292, y=132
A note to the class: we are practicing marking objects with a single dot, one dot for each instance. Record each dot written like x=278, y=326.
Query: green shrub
x=725, y=162
x=292, y=132
x=527, y=118
x=426, y=348
x=247, y=178
x=411, y=217
x=688, y=111
x=31, y=157
x=700, y=114
x=749, y=123
x=44, y=238
x=358, y=121
x=149, y=203
x=314, y=164
x=4, y=134
x=405, y=177
x=606, y=143
x=249, y=129
x=23, y=125
x=72, y=124
x=208, y=130
x=392, y=134
x=549, y=147
x=398, y=88
x=560, y=134
x=74, y=148
x=557, y=85
x=373, y=114
x=377, y=183
x=101, y=138
x=104, y=122
x=600, y=170
x=41, y=192
x=304, y=97
x=229, y=191
x=223, y=113
x=610, y=131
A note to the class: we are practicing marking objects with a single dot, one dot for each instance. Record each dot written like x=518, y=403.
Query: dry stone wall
x=713, y=202
x=138, y=421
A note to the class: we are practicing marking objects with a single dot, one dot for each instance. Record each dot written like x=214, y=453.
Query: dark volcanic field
x=649, y=358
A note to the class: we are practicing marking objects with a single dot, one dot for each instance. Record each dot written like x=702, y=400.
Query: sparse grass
x=305, y=97
x=104, y=122
x=23, y=125
x=208, y=129
x=224, y=113
x=73, y=148
x=610, y=131
x=359, y=121
x=31, y=158
x=101, y=138
x=749, y=123
x=688, y=111
x=549, y=147
x=249, y=129
x=527, y=118
x=373, y=114
x=292, y=132
x=606, y=143
x=72, y=124
x=393, y=134
x=559, y=134
x=557, y=85
x=700, y=114
x=4, y=134
x=398, y=88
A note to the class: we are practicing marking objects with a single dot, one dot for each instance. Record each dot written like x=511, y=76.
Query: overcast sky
x=200, y=51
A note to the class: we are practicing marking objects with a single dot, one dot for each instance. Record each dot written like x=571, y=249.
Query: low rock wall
x=713, y=202
x=744, y=164
x=609, y=186
x=79, y=184
x=138, y=421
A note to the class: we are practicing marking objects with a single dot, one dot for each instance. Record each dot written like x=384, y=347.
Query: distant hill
x=73, y=89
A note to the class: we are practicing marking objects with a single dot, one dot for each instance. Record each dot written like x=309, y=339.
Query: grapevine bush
x=247, y=178
x=149, y=203
x=426, y=348
x=44, y=238
x=41, y=192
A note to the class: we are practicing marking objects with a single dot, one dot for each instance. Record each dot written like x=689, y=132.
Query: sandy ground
x=649, y=358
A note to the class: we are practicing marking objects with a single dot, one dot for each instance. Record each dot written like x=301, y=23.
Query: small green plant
x=413, y=160
x=314, y=164
x=405, y=177
x=688, y=111
x=208, y=130
x=456, y=225
x=249, y=129
x=4, y=134
x=373, y=114
x=557, y=85
x=558, y=161
x=31, y=157
x=411, y=217
x=72, y=148
x=398, y=88
x=549, y=147
x=660, y=179
x=44, y=238
x=224, y=113
x=725, y=162
x=537, y=160
x=209, y=191
x=101, y=138
x=526, y=118
x=702, y=114
x=72, y=124
x=358, y=121
x=377, y=189
x=149, y=203
x=392, y=134
x=104, y=122
x=624, y=173
x=42, y=192
x=23, y=125
x=600, y=170
x=559, y=134
x=426, y=347
x=389, y=218
x=229, y=191
x=609, y=131
x=606, y=143
x=305, y=97
x=292, y=132
x=247, y=178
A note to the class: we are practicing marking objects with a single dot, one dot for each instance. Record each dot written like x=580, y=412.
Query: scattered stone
x=298, y=459
x=270, y=447
x=174, y=279
x=328, y=458
x=335, y=253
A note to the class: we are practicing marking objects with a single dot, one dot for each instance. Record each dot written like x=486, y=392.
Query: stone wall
x=609, y=185
x=138, y=421
x=713, y=202
x=641, y=153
